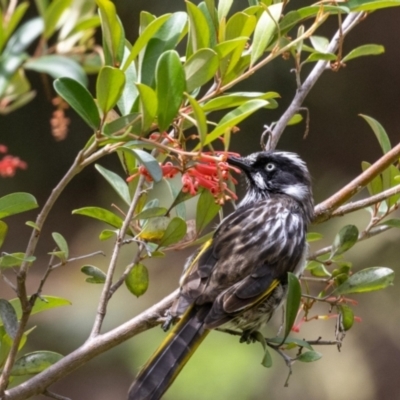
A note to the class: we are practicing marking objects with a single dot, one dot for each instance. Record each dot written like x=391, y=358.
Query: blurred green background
x=366, y=368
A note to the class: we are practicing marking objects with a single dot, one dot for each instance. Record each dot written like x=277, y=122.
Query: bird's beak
x=240, y=163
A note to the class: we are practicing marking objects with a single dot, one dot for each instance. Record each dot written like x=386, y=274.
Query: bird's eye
x=270, y=167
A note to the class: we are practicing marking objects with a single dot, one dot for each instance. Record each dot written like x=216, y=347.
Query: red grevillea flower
x=9, y=164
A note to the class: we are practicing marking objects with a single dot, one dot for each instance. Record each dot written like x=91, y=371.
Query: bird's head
x=278, y=172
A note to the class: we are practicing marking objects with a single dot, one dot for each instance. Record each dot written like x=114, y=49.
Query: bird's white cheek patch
x=297, y=191
x=259, y=180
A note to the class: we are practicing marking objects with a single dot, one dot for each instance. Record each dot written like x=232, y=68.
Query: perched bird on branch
x=239, y=277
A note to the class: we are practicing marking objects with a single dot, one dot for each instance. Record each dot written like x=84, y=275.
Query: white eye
x=270, y=167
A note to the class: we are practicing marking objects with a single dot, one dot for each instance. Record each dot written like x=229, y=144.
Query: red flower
x=9, y=164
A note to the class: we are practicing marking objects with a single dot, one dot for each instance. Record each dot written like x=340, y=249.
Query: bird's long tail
x=166, y=363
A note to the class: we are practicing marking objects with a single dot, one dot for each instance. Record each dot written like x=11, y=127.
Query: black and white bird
x=239, y=277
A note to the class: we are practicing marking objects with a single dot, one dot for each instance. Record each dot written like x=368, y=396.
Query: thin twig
x=302, y=92
x=53, y=395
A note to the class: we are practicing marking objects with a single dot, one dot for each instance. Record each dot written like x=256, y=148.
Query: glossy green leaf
x=33, y=363
x=79, y=98
x=223, y=49
x=291, y=340
x=176, y=231
x=24, y=36
x=344, y=240
x=116, y=182
x=61, y=243
x=292, y=302
x=206, y=210
x=393, y=223
x=233, y=118
x=16, y=203
x=148, y=105
x=313, y=236
x=52, y=16
x=100, y=214
x=371, y=5
x=14, y=260
x=109, y=87
x=267, y=359
x=8, y=68
x=376, y=185
x=9, y=318
x=14, y=20
x=223, y=8
x=95, y=274
x=365, y=50
x=170, y=85
x=3, y=232
x=120, y=125
x=366, y=280
x=58, y=67
x=296, y=119
x=265, y=29
x=320, y=56
x=231, y=100
x=107, y=234
x=318, y=269
x=199, y=119
x=130, y=92
x=154, y=229
x=137, y=280
x=379, y=131
x=113, y=33
x=199, y=31
x=151, y=213
x=43, y=303
x=166, y=38
x=144, y=38
x=346, y=315
x=150, y=163
x=320, y=43
x=309, y=356
x=200, y=68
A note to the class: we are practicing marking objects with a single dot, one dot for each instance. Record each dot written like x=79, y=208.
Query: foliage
x=155, y=104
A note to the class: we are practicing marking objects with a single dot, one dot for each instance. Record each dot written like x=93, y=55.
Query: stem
x=92, y=348
x=106, y=294
x=348, y=24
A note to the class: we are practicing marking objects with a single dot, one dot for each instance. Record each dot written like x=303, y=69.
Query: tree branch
x=348, y=24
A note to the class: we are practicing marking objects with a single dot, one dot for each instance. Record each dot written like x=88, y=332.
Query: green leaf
x=365, y=50
x=371, y=5
x=52, y=16
x=15, y=260
x=151, y=213
x=3, y=232
x=8, y=67
x=199, y=31
x=347, y=316
x=366, y=280
x=223, y=49
x=291, y=340
x=207, y=209
x=150, y=163
x=113, y=33
x=43, y=303
x=200, y=68
x=79, y=98
x=394, y=223
x=33, y=363
x=223, y=8
x=58, y=67
x=376, y=185
x=297, y=118
x=170, y=85
x=344, y=240
x=16, y=203
x=95, y=274
x=236, y=99
x=267, y=359
x=100, y=214
x=319, y=43
x=309, y=356
x=144, y=38
x=9, y=318
x=233, y=118
x=130, y=92
x=380, y=133
x=154, y=229
x=107, y=234
x=320, y=56
x=61, y=243
x=117, y=183
x=176, y=230
x=200, y=119
x=137, y=281
x=265, y=29
x=318, y=269
x=292, y=302
x=120, y=124
x=148, y=105
x=109, y=87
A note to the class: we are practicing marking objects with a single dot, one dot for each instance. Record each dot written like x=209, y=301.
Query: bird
x=238, y=278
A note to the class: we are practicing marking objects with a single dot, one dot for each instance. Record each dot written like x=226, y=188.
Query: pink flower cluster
x=9, y=164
